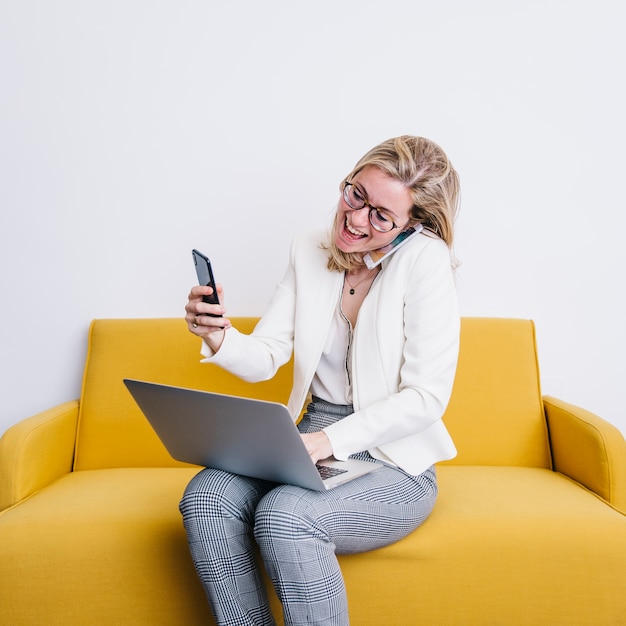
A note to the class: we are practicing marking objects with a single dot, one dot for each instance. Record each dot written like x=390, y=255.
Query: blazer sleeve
x=257, y=357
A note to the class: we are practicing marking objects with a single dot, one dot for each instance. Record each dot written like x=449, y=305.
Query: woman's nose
x=360, y=217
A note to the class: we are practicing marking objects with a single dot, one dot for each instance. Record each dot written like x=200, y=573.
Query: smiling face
x=353, y=230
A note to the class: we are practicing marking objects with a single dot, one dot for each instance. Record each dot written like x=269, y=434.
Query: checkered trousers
x=298, y=532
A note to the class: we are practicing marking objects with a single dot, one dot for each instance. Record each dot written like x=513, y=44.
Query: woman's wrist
x=214, y=340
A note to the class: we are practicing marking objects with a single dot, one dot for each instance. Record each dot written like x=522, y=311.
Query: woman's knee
x=198, y=493
x=286, y=512
x=215, y=492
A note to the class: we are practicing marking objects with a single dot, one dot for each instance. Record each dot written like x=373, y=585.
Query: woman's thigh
x=366, y=513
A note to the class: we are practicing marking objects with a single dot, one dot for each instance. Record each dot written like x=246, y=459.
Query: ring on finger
x=195, y=322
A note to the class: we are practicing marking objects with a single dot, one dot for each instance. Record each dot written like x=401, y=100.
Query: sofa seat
x=119, y=537
x=499, y=543
x=495, y=532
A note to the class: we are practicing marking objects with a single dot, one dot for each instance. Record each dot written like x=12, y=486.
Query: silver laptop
x=240, y=435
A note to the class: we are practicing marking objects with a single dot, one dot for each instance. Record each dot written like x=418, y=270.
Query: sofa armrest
x=588, y=449
x=37, y=451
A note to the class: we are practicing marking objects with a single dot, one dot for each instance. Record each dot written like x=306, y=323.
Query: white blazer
x=404, y=349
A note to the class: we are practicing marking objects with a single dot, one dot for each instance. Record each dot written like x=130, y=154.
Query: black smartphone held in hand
x=205, y=278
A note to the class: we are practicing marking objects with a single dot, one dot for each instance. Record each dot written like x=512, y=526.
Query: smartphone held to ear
x=376, y=257
x=205, y=278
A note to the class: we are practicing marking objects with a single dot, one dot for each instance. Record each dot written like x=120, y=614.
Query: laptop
x=243, y=436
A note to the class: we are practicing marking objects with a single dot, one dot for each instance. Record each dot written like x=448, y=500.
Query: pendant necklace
x=353, y=287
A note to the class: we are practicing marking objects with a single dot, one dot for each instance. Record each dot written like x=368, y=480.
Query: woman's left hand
x=317, y=445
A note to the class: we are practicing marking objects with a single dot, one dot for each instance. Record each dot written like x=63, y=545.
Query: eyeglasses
x=379, y=219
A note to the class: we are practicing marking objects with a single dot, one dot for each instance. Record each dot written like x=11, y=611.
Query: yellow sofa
x=529, y=529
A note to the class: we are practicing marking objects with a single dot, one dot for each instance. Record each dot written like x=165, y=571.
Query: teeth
x=353, y=231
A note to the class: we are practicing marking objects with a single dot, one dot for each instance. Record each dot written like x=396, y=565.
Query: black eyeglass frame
x=371, y=207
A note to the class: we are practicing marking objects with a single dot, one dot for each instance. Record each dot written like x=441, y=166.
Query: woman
x=379, y=388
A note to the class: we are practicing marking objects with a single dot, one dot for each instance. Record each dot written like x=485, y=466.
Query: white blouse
x=333, y=375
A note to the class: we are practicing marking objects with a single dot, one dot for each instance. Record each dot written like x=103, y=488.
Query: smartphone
x=205, y=277
x=376, y=257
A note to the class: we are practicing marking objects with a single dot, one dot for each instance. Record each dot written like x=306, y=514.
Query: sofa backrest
x=495, y=415
x=112, y=431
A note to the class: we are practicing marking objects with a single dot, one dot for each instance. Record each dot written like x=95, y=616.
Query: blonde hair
x=425, y=170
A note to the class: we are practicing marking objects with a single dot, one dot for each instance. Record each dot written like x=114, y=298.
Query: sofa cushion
x=504, y=545
x=101, y=547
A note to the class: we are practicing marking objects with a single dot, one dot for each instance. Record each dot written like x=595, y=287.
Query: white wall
x=132, y=131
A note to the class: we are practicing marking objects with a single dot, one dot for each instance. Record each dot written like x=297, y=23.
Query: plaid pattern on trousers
x=298, y=532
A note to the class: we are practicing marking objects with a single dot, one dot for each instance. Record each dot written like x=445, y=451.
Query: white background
x=132, y=131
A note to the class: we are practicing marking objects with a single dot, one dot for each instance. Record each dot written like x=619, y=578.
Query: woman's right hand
x=209, y=327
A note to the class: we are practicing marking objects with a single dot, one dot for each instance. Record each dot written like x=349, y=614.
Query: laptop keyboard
x=328, y=472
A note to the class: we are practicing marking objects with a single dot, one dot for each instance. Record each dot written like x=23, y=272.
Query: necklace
x=353, y=287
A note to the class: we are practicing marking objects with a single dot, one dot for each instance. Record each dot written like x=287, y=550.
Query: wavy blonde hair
x=425, y=170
